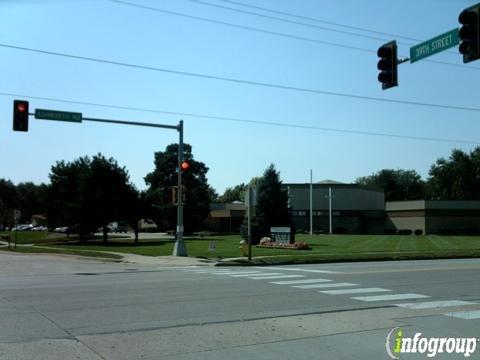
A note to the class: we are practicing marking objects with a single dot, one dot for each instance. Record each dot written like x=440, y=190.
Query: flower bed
x=274, y=245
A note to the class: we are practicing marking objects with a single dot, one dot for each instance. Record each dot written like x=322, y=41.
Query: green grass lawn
x=39, y=250
x=31, y=237
x=42, y=237
x=324, y=247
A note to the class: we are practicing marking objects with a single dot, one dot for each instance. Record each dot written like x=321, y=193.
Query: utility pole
x=311, y=202
x=330, y=196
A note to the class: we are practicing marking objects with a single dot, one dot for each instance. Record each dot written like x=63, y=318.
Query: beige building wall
x=434, y=216
x=405, y=222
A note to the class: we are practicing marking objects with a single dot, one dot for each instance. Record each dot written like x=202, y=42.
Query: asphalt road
x=62, y=308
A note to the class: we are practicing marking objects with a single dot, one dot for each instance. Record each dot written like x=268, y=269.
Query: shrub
x=418, y=232
x=404, y=232
x=340, y=230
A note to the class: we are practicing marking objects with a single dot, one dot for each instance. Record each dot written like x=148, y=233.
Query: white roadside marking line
x=319, y=286
x=206, y=272
x=390, y=297
x=467, y=315
x=322, y=271
x=300, y=269
x=354, y=291
x=435, y=304
x=307, y=281
x=275, y=277
x=259, y=273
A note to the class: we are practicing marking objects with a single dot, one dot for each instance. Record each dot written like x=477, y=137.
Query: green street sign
x=58, y=115
x=433, y=46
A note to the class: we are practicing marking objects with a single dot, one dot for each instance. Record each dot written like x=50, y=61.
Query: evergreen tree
x=272, y=205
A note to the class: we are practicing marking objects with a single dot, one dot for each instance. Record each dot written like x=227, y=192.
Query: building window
x=299, y=213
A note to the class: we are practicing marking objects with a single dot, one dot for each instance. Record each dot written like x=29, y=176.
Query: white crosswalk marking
x=354, y=291
x=390, y=297
x=286, y=268
x=467, y=315
x=259, y=273
x=306, y=281
x=275, y=277
x=435, y=304
x=319, y=286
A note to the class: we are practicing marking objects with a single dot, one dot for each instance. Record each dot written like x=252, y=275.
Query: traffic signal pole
x=180, y=248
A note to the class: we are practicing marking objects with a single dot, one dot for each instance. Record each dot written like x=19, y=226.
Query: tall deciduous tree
x=397, y=184
x=231, y=194
x=32, y=200
x=8, y=202
x=89, y=193
x=197, y=191
x=456, y=178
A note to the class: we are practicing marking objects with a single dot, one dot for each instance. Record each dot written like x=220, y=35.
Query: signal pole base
x=179, y=249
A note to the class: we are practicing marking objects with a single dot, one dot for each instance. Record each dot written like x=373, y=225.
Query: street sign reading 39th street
x=433, y=46
x=58, y=115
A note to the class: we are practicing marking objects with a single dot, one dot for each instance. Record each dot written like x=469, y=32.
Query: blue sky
x=234, y=151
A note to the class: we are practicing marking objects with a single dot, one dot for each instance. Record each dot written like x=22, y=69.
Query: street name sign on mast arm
x=434, y=46
x=58, y=115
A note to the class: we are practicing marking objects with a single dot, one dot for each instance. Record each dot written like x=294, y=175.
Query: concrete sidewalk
x=164, y=260
x=134, y=258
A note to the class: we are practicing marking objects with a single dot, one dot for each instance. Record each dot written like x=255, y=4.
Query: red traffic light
x=21, y=107
x=185, y=166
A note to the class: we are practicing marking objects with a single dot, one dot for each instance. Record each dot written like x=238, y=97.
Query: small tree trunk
x=136, y=234
x=105, y=234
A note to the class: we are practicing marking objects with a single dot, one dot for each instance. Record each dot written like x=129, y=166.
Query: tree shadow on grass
x=114, y=244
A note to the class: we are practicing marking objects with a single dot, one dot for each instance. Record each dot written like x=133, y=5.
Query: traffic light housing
x=20, y=115
x=469, y=33
x=175, y=194
x=388, y=65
